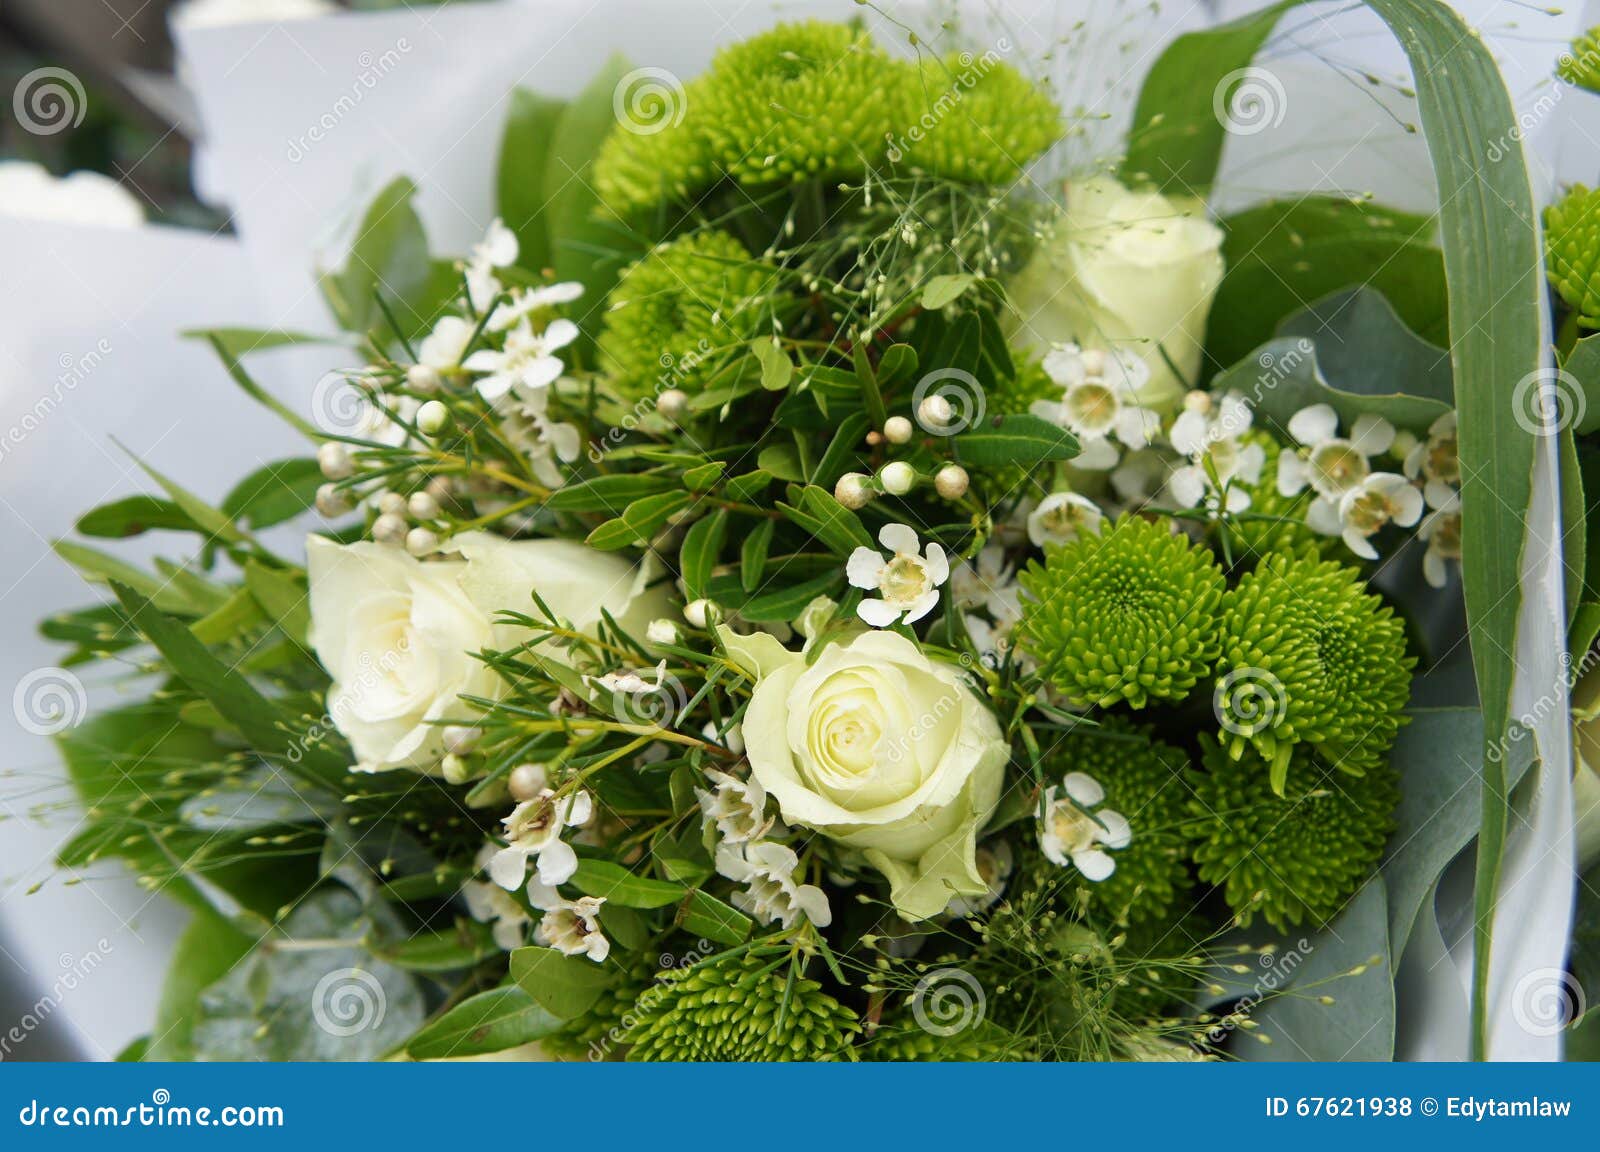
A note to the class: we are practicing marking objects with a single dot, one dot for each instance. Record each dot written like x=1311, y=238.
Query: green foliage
x=1124, y=616
x=1580, y=64
x=1295, y=858
x=740, y=1008
x=1310, y=656
x=1572, y=251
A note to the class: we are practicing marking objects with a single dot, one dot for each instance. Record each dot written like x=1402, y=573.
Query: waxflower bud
x=422, y=506
x=332, y=501
x=897, y=478
x=673, y=404
x=432, y=418
x=392, y=504
x=334, y=460
x=700, y=613
x=935, y=411
x=897, y=430
x=526, y=781
x=422, y=542
x=951, y=481
x=424, y=379
x=460, y=739
x=389, y=529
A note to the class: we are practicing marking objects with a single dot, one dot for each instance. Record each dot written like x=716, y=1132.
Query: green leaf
x=942, y=290
x=134, y=516
x=639, y=521
x=522, y=192
x=1280, y=254
x=867, y=379
x=1583, y=365
x=616, y=885
x=606, y=493
x=283, y=596
x=461, y=947
x=277, y=492
x=489, y=1022
x=844, y=449
x=753, y=555
x=897, y=365
x=782, y=461
x=207, y=950
x=240, y=342
x=785, y=604
x=704, y=915
x=238, y=615
x=840, y=528
x=1023, y=440
x=390, y=256
x=102, y=568
x=777, y=370
x=701, y=477
x=564, y=986
x=701, y=546
x=749, y=486
x=212, y=521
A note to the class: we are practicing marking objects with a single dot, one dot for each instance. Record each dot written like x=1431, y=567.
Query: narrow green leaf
x=133, y=516
x=753, y=555
x=481, y=1025
x=785, y=604
x=942, y=290
x=1023, y=440
x=459, y=947
x=701, y=546
x=617, y=885
x=704, y=915
x=606, y=493
x=844, y=449
x=638, y=522
x=277, y=492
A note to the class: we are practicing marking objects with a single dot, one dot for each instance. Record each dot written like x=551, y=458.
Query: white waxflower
x=524, y=418
x=1435, y=462
x=490, y=903
x=1329, y=463
x=1074, y=829
x=1099, y=400
x=571, y=927
x=1380, y=498
x=732, y=739
x=766, y=868
x=908, y=579
x=1210, y=432
x=1140, y=477
x=442, y=348
x=1061, y=518
x=630, y=682
x=737, y=807
x=534, y=830
x=995, y=862
x=1440, y=530
x=498, y=249
x=988, y=583
x=526, y=303
x=528, y=362
x=662, y=631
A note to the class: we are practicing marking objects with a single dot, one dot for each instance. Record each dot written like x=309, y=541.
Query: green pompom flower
x=653, y=156
x=1124, y=616
x=803, y=100
x=729, y=1009
x=1310, y=656
x=1572, y=248
x=675, y=313
x=981, y=1042
x=977, y=120
x=1580, y=64
x=1143, y=780
x=1295, y=858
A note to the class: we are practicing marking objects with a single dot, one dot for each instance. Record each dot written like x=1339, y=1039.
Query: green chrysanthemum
x=973, y=119
x=676, y=312
x=1310, y=656
x=908, y=1044
x=1143, y=780
x=805, y=99
x=733, y=1009
x=1125, y=615
x=654, y=156
x=1572, y=245
x=598, y=1033
x=1580, y=64
x=1295, y=858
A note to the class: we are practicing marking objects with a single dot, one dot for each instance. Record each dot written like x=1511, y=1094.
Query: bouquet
x=825, y=579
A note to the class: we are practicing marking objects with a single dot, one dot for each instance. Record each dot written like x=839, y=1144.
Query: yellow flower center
x=1336, y=467
x=1074, y=827
x=904, y=579
x=1092, y=407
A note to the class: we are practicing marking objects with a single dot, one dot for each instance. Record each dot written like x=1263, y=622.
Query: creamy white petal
x=1187, y=485
x=899, y=538
x=1083, y=788
x=922, y=605
x=1292, y=473
x=864, y=568
x=877, y=613
x=1372, y=435
x=1434, y=570
x=1323, y=517
x=508, y=867
x=557, y=863
x=1115, y=831
x=1094, y=864
x=1311, y=426
x=1359, y=544
x=938, y=566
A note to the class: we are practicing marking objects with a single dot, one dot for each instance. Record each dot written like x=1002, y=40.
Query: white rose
x=1125, y=269
x=881, y=749
x=398, y=636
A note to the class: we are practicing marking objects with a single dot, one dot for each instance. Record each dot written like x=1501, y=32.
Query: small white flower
x=528, y=362
x=1330, y=464
x=737, y=807
x=1139, y=477
x=1211, y=433
x=1099, y=400
x=629, y=682
x=1435, y=461
x=571, y=927
x=908, y=579
x=1441, y=531
x=1074, y=829
x=524, y=418
x=442, y=348
x=490, y=903
x=661, y=631
x=534, y=830
x=527, y=303
x=987, y=584
x=498, y=250
x=1061, y=518
x=766, y=868
x=1380, y=498
x=994, y=866
x=732, y=739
